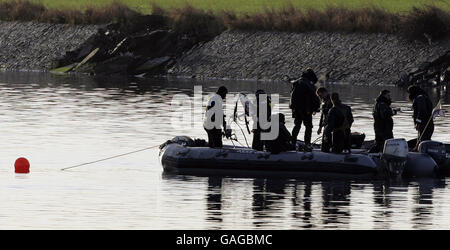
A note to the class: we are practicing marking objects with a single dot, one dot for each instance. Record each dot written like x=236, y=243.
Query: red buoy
x=22, y=166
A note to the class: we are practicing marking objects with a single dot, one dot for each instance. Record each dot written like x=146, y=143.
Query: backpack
x=315, y=101
x=306, y=100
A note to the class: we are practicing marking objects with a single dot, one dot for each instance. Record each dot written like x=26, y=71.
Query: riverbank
x=153, y=48
x=354, y=58
x=33, y=46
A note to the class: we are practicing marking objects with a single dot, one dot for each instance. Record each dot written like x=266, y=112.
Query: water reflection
x=301, y=204
x=336, y=203
x=423, y=209
x=59, y=121
x=267, y=200
x=382, y=199
x=214, y=201
x=295, y=204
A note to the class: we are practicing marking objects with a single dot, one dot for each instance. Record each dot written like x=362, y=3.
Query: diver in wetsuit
x=283, y=142
x=340, y=120
x=212, y=126
x=326, y=105
x=422, y=115
x=383, y=122
x=304, y=103
x=261, y=102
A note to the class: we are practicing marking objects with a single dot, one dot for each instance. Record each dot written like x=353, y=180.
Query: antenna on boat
x=244, y=101
x=437, y=111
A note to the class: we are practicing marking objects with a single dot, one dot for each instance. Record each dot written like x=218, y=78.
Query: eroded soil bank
x=355, y=58
x=32, y=46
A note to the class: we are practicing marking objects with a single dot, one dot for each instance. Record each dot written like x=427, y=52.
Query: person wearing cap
x=215, y=119
x=422, y=115
x=303, y=103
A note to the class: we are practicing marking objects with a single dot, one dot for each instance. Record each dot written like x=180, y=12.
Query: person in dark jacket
x=326, y=105
x=304, y=102
x=283, y=142
x=257, y=143
x=383, y=122
x=422, y=115
x=215, y=106
x=339, y=122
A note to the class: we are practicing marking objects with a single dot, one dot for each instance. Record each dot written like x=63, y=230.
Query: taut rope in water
x=112, y=157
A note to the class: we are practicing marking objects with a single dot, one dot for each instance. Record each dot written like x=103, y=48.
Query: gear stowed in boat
x=183, y=155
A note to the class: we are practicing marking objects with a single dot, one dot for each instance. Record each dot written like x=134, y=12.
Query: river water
x=60, y=121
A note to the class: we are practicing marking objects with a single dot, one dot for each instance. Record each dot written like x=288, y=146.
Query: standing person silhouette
x=215, y=118
x=304, y=102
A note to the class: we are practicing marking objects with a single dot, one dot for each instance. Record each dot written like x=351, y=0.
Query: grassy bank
x=250, y=6
x=211, y=19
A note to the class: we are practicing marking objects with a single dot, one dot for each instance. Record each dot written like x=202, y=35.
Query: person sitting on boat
x=383, y=122
x=212, y=125
x=422, y=115
x=261, y=102
x=304, y=103
x=326, y=105
x=283, y=142
x=340, y=120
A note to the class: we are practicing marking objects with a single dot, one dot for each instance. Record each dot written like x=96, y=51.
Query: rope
x=236, y=139
x=233, y=142
x=423, y=132
x=112, y=157
x=240, y=143
x=318, y=138
x=242, y=131
x=428, y=123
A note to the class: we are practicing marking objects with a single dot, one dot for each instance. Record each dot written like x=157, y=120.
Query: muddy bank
x=152, y=48
x=37, y=46
x=146, y=48
x=355, y=58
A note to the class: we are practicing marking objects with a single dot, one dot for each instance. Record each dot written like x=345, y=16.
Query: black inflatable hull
x=179, y=159
x=444, y=168
x=420, y=165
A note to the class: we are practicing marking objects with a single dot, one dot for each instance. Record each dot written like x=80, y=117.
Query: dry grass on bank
x=429, y=20
x=247, y=6
x=192, y=20
x=23, y=10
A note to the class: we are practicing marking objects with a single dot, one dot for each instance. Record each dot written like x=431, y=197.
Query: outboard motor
x=395, y=155
x=435, y=150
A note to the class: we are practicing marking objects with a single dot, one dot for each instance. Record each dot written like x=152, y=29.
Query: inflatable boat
x=182, y=155
x=183, y=159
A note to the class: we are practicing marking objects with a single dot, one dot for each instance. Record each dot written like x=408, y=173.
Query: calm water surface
x=58, y=122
